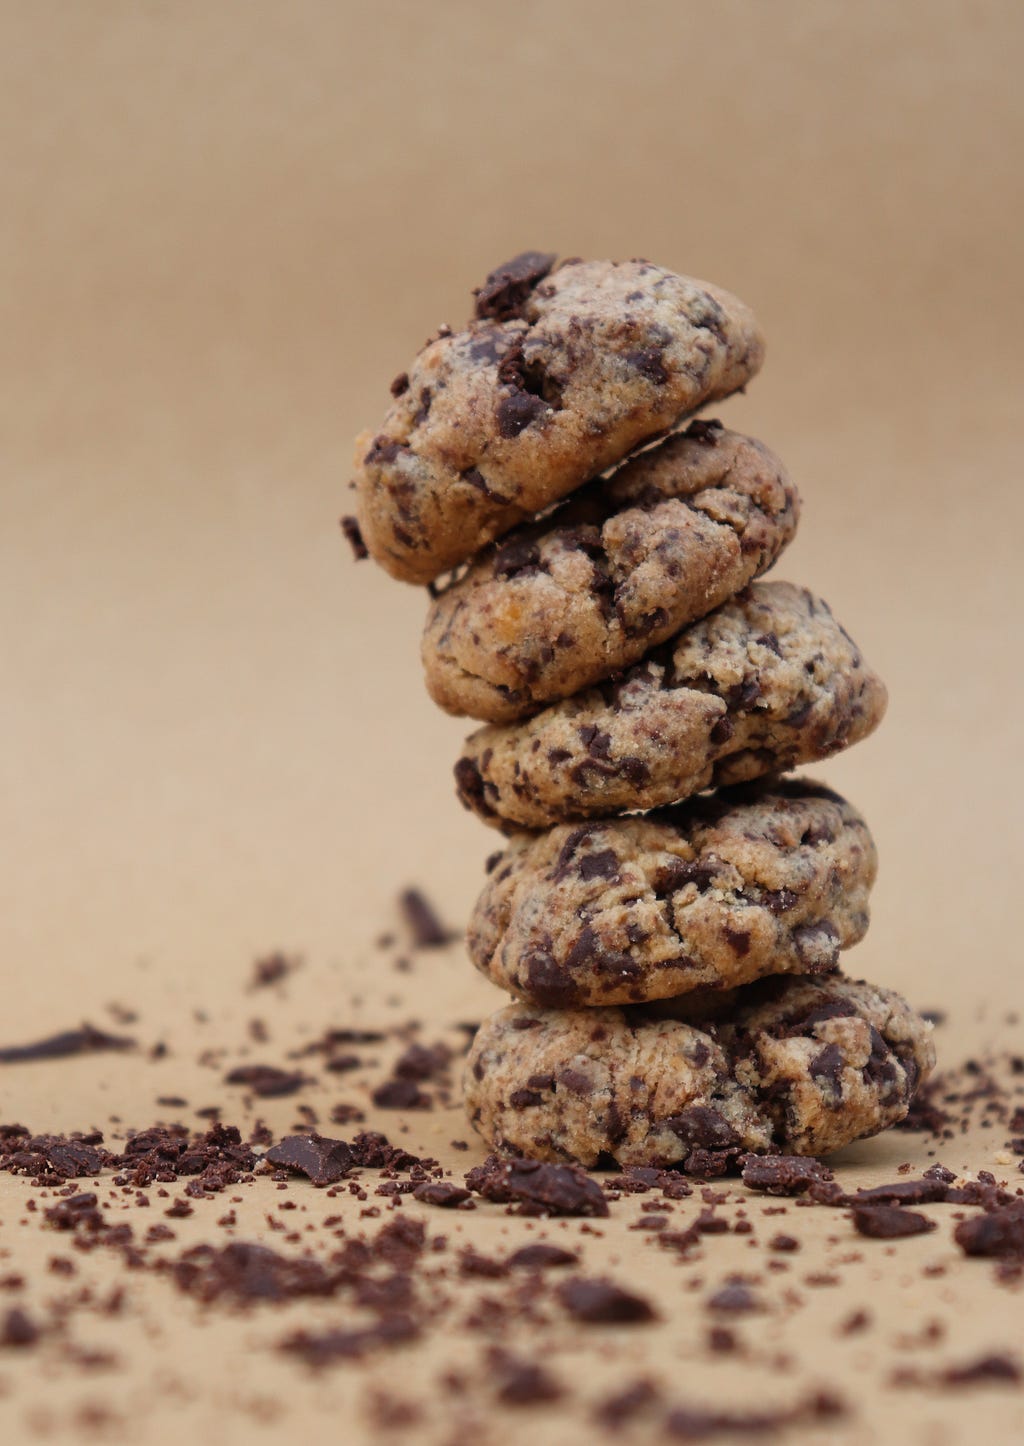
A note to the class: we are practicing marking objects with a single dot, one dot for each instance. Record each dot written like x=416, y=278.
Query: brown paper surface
x=226, y=227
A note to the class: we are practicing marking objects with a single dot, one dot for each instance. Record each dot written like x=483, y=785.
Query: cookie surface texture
x=802, y=1066
x=618, y=569
x=561, y=375
x=708, y=895
x=766, y=682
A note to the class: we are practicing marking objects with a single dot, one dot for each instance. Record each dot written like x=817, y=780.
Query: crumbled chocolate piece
x=998, y=1233
x=615, y=1411
x=272, y=968
x=248, y=1274
x=522, y=1382
x=541, y=1256
x=735, y=1296
x=423, y=921
x=889, y=1222
x=324, y=1348
x=503, y=294
x=538, y=1188
x=903, y=1192
x=71, y=1042
x=323, y=1161
x=601, y=1302
x=997, y=1366
x=401, y=1094
x=266, y=1080
x=441, y=1192
x=783, y=1174
x=18, y=1329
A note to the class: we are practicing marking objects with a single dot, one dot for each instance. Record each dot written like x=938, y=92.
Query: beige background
x=227, y=225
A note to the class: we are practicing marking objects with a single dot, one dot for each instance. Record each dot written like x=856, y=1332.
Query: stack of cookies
x=673, y=951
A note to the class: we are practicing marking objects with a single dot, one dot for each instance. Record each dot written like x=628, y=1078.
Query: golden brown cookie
x=616, y=570
x=560, y=375
x=801, y=1066
x=766, y=879
x=767, y=681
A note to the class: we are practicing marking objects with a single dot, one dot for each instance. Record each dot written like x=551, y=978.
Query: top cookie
x=560, y=375
x=619, y=568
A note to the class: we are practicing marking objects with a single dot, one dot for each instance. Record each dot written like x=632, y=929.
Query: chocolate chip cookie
x=801, y=1066
x=767, y=681
x=766, y=879
x=560, y=375
x=618, y=569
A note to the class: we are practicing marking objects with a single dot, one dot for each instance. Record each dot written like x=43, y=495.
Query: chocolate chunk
x=383, y=450
x=889, y=1222
x=541, y=1256
x=248, y=1274
x=735, y=1296
x=703, y=1127
x=325, y=1348
x=522, y=1382
x=601, y=865
x=994, y=1367
x=650, y=363
x=71, y=1042
x=266, y=1081
x=549, y=983
x=998, y=1233
x=354, y=538
x=441, y=1192
x=516, y=410
x=18, y=1329
x=400, y=385
x=827, y=1068
x=322, y=1161
x=783, y=1174
x=516, y=557
x=538, y=1188
x=422, y=920
x=400, y=1094
x=507, y=288
x=904, y=1192
x=602, y=1302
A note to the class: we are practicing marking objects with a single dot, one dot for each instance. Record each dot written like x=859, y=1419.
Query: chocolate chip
x=383, y=450
x=507, y=287
x=400, y=384
x=602, y=1302
x=322, y=1161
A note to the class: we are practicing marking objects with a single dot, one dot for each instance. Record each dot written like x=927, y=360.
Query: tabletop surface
x=228, y=228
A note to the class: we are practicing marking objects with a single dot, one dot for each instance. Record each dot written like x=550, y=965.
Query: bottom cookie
x=799, y=1066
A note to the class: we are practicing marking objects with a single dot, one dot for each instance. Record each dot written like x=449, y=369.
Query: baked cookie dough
x=561, y=374
x=710, y=894
x=767, y=681
x=619, y=568
x=804, y=1066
